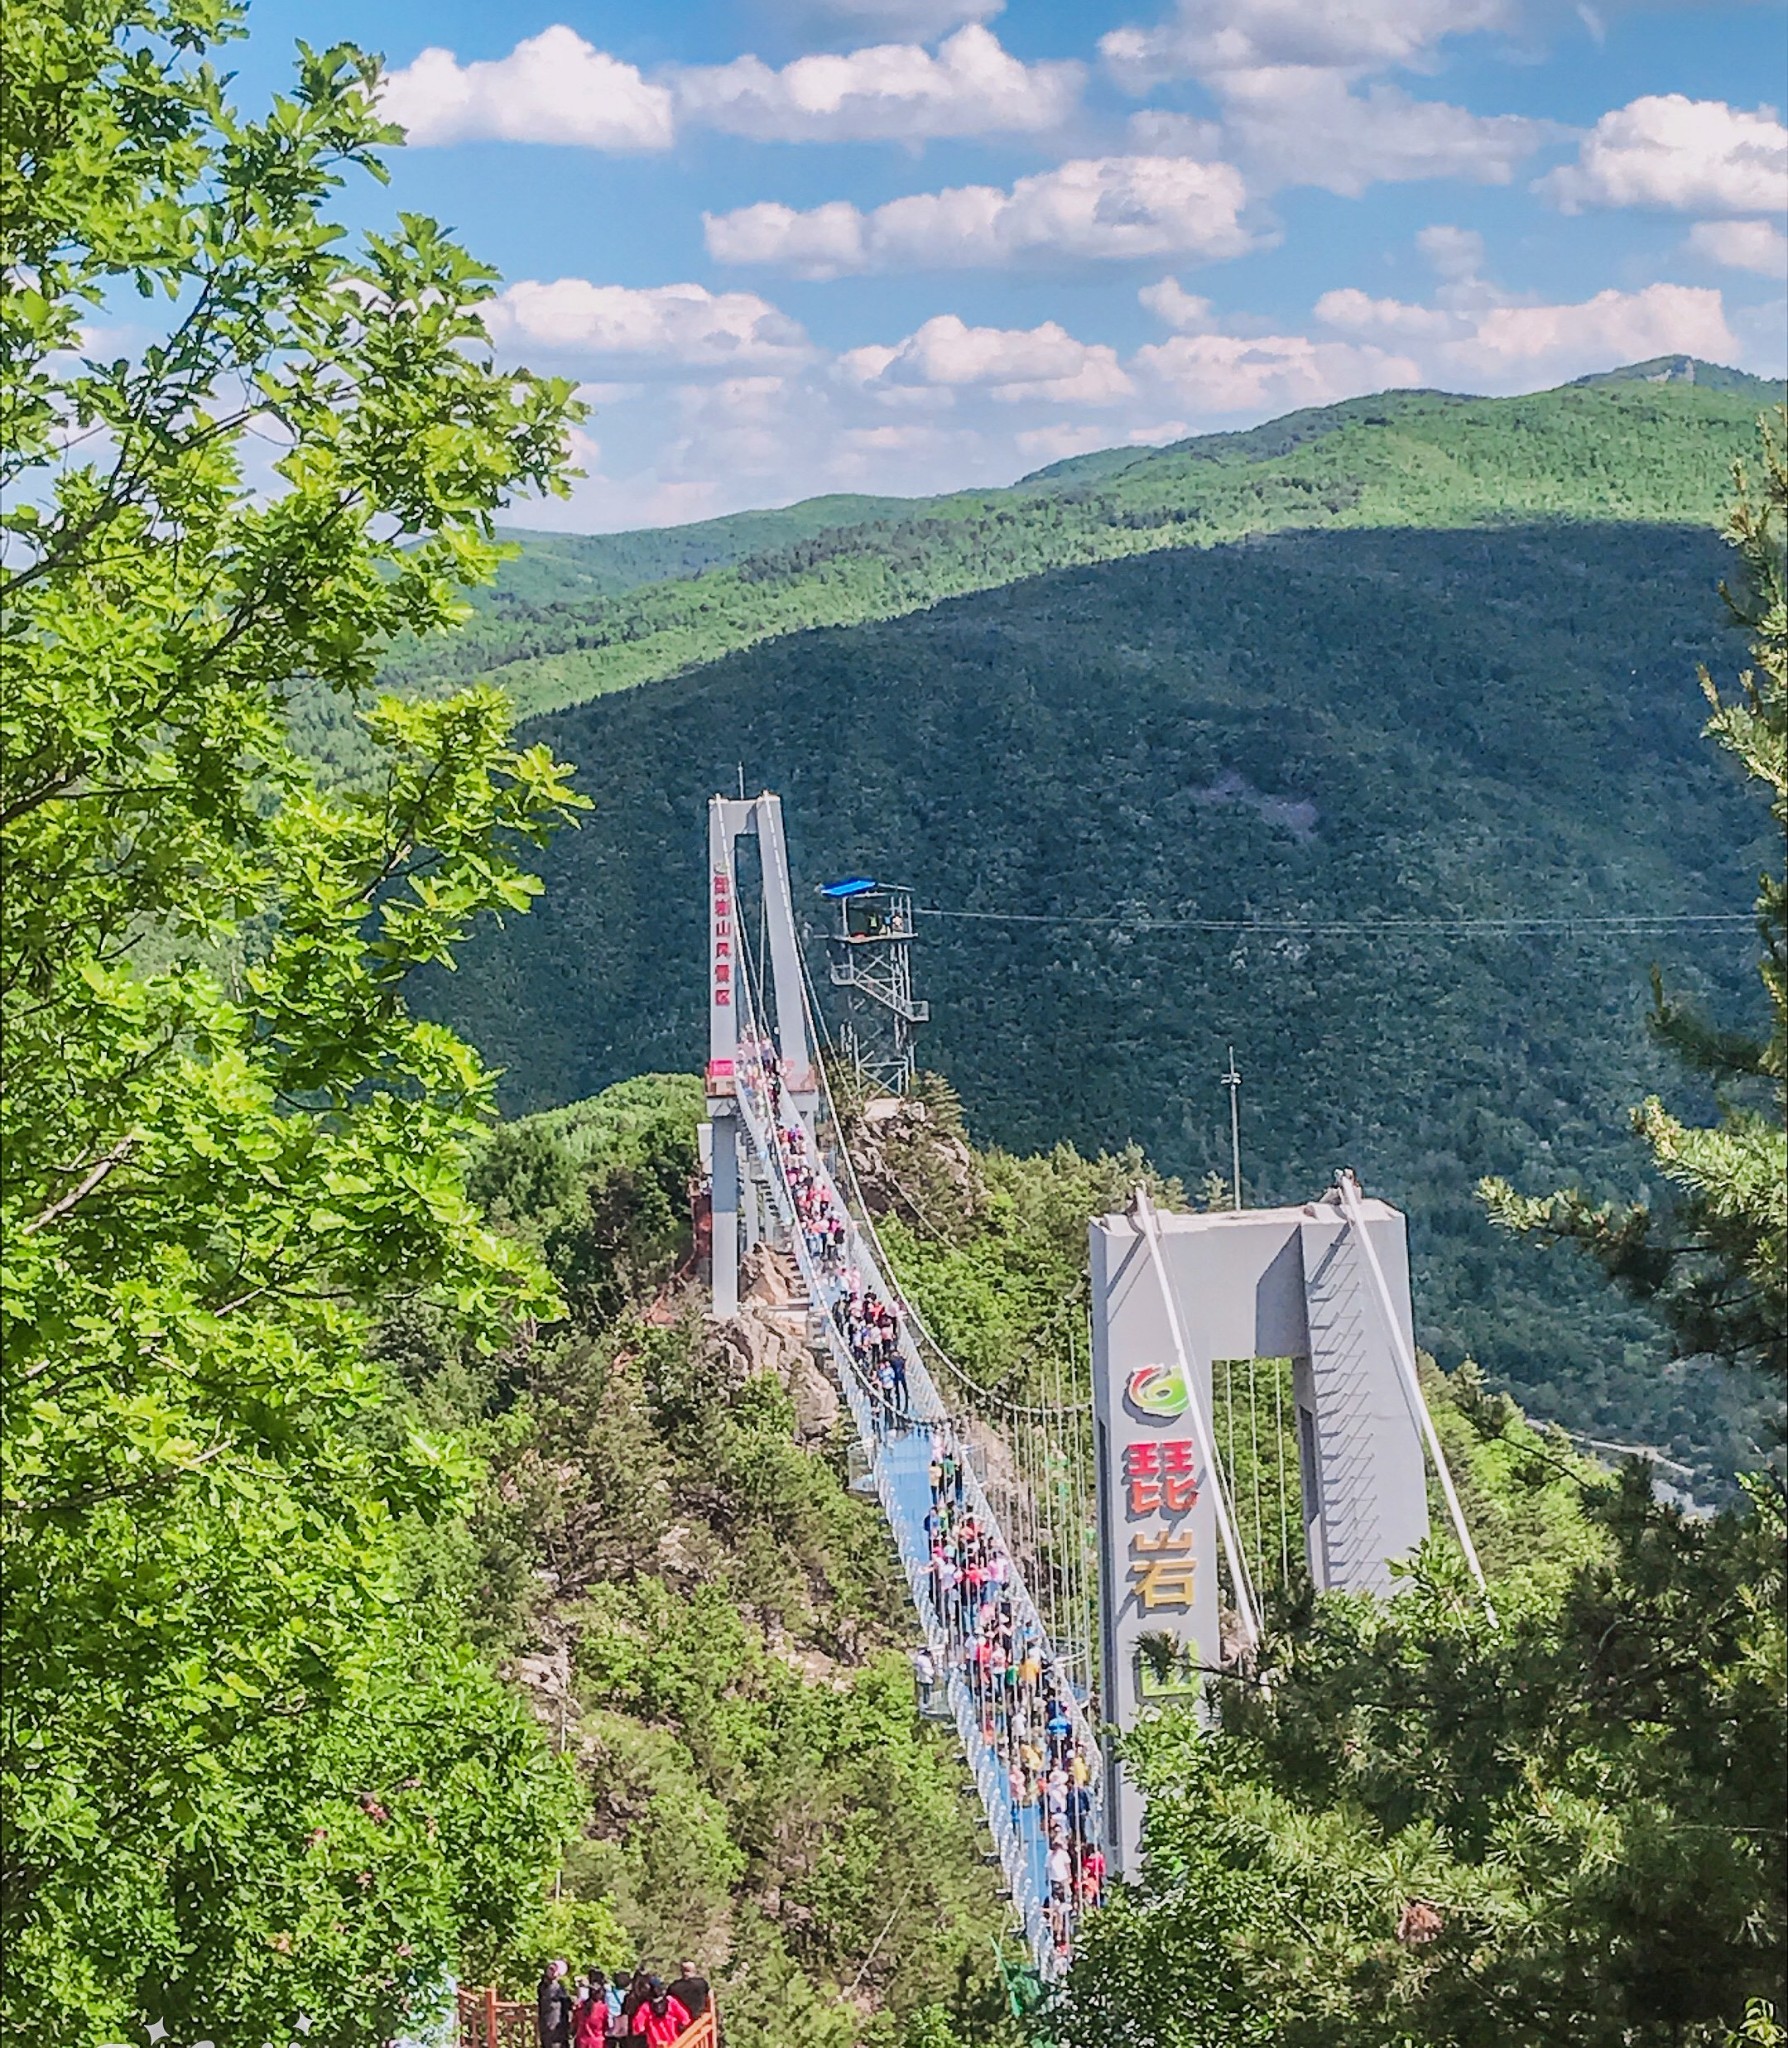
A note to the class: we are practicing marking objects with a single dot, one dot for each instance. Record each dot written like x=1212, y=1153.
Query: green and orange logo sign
x=1157, y=1392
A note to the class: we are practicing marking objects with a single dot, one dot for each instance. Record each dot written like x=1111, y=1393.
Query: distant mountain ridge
x=1689, y=370
x=574, y=619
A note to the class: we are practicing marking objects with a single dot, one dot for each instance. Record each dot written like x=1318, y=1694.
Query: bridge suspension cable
x=1047, y=1447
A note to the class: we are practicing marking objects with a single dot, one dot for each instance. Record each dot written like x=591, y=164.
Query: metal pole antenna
x=1233, y=1082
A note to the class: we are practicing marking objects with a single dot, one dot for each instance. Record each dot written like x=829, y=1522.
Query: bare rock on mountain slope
x=914, y=1161
x=770, y=1335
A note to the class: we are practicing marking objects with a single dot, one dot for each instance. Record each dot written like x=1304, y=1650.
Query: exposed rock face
x=914, y=1161
x=770, y=1335
x=548, y=1672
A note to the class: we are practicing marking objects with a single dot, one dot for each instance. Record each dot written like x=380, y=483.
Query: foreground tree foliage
x=249, y=1771
x=1419, y=1828
x=1436, y=1832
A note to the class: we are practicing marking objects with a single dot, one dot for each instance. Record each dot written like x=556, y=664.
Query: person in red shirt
x=589, y=2022
x=1092, y=1876
x=661, y=2019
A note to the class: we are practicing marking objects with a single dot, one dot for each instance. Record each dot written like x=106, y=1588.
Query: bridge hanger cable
x=1240, y=1584
x=1353, y=1209
x=921, y=1328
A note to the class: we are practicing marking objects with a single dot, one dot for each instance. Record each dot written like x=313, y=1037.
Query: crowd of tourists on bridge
x=1021, y=1704
x=633, y=2005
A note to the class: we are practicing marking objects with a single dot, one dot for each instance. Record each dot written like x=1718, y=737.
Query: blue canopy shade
x=852, y=885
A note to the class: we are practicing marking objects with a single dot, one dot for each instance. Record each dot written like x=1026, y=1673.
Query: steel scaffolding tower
x=871, y=962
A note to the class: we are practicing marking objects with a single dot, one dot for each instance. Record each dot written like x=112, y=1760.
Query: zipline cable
x=1119, y=921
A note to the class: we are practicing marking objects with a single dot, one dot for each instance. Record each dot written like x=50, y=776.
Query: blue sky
x=793, y=246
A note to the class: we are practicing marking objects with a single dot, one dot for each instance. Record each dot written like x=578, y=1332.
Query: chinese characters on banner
x=723, y=941
x=1162, y=1478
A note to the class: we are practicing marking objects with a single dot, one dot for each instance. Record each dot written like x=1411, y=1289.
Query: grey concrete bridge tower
x=1325, y=1284
x=729, y=820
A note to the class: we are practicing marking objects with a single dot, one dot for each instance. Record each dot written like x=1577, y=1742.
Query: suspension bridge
x=1077, y=1562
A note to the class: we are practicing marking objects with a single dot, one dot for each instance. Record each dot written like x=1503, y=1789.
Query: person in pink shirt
x=661, y=2019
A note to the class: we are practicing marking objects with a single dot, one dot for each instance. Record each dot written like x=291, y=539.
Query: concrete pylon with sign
x=1170, y=1293
x=729, y=819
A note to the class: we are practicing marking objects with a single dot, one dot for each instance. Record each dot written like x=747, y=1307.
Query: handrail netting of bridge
x=900, y=1447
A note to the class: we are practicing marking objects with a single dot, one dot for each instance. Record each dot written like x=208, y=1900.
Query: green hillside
x=571, y=568
x=1623, y=450
x=665, y=1555
x=1483, y=723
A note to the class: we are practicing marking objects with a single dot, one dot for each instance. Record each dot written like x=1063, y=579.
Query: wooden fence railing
x=487, y=2021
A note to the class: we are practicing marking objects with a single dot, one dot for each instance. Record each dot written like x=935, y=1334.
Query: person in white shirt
x=925, y=1671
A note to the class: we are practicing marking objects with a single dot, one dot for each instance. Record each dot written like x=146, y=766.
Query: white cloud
x=1289, y=78
x=1757, y=245
x=1456, y=254
x=1154, y=131
x=1300, y=125
x=1011, y=364
x=1044, y=445
x=1176, y=307
x=1356, y=312
x=879, y=440
x=663, y=328
x=737, y=428
x=584, y=450
x=823, y=241
x=1266, y=374
x=1692, y=156
x=919, y=21
x=1204, y=38
x=1093, y=208
x=892, y=91
x=554, y=87
x=1611, y=327
x=1510, y=347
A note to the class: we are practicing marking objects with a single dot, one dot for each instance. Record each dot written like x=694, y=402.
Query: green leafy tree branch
x=244, y=1773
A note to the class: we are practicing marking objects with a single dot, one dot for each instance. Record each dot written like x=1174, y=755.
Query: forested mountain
x=567, y=568
x=1310, y=774
x=1627, y=449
